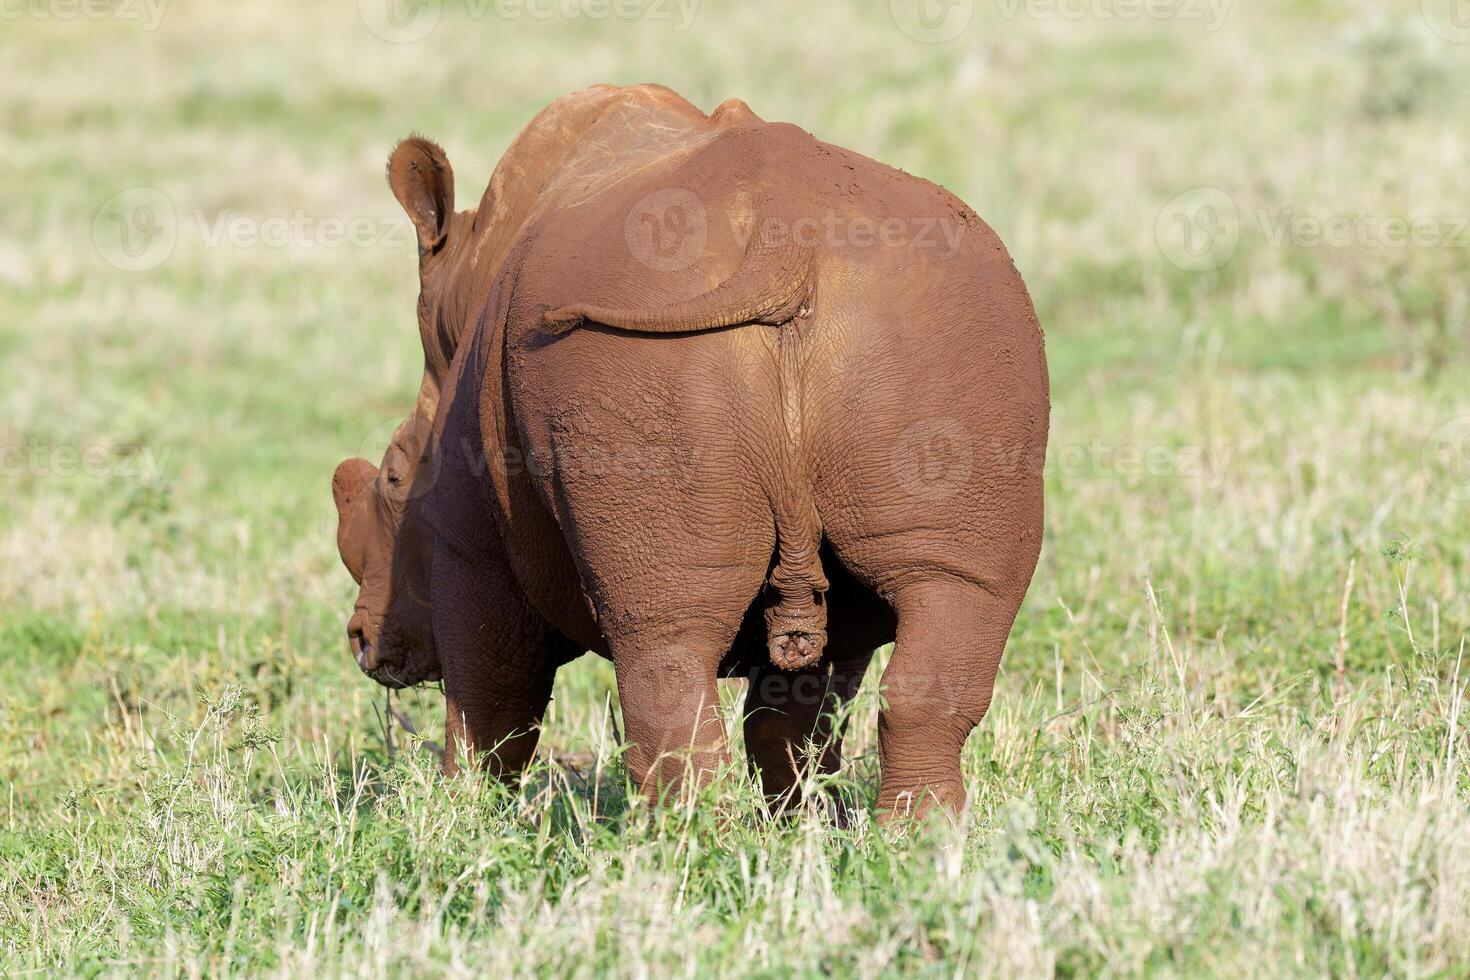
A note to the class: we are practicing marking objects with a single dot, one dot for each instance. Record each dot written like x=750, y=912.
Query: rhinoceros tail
x=772, y=286
x=796, y=588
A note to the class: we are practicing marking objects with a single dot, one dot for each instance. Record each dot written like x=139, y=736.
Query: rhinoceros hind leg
x=670, y=703
x=936, y=688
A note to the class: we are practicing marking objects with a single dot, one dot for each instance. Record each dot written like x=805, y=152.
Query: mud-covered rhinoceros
x=706, y=396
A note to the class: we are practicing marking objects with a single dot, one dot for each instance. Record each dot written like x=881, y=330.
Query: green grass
x=1227, y=738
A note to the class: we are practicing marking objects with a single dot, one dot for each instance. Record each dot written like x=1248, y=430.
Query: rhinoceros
x=706, y=396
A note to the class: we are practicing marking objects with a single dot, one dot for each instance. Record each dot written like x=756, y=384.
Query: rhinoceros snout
x=364, y=651
x=360, y=647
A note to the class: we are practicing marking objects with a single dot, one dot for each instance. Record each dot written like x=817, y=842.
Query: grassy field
x=1228, y=735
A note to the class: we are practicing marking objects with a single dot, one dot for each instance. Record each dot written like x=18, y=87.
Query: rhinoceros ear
x=348, y=481
x=423, y=182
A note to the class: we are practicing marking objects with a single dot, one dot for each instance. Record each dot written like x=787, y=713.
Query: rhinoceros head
x=388, y=547
x=384, y=540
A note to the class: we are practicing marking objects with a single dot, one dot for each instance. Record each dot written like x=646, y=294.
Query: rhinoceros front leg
x=499, y=661
x=499, y=729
